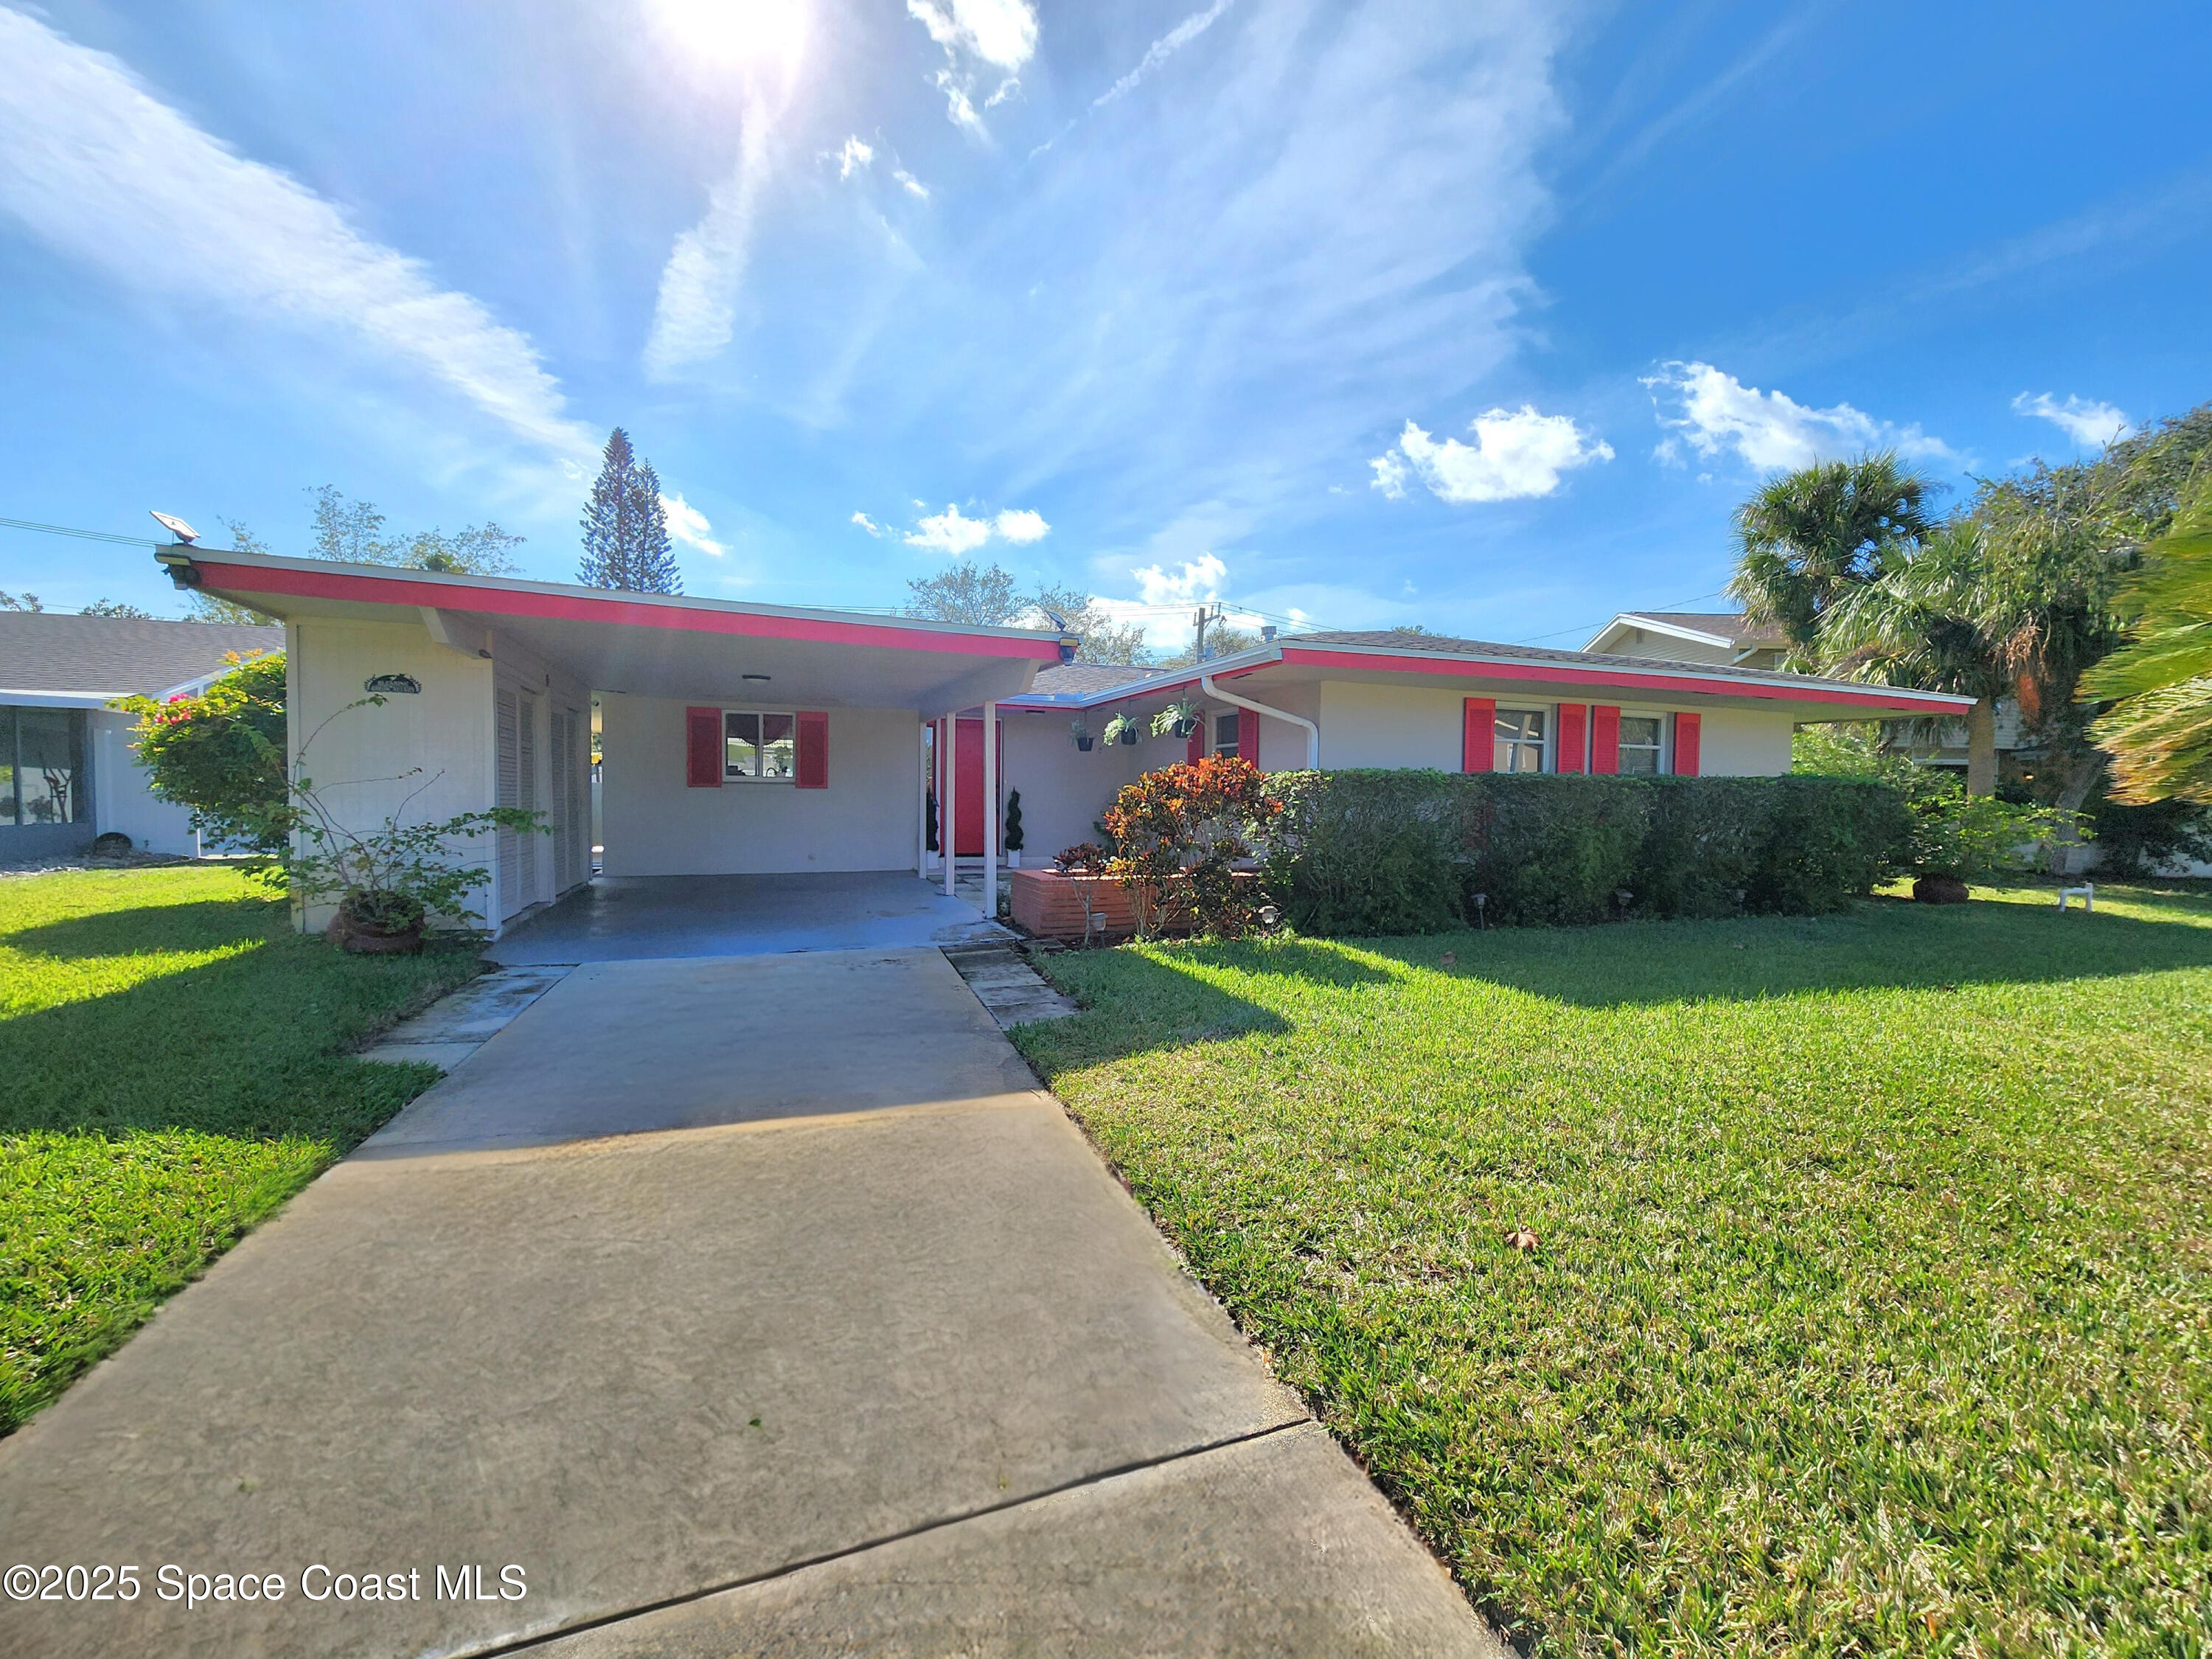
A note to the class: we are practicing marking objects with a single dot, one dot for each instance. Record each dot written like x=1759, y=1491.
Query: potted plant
x=1013, y=829
x=1122, y=728
x=1081, y=732
x=1179, y=719
x=1958, y=838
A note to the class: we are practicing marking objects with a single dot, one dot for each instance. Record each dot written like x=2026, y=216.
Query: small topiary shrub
x=1390, y=852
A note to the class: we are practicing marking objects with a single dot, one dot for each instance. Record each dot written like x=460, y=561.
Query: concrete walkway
x=621, y=918
x=756, y=1306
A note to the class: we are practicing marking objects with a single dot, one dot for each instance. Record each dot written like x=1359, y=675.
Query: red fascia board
x=577, y=607
x=1617, y=678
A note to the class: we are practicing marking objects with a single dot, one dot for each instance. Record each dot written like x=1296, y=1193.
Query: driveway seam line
x=523, y=1644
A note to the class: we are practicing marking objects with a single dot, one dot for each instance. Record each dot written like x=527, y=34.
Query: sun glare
x=736, y=34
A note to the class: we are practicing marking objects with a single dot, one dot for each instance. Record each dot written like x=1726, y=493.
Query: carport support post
x=947, y=796
x=990, y=812
x=923, y=750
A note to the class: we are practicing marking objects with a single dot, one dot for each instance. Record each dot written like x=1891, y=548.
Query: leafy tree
x=221, y=753
x=1221, y=641
x=115, y=608
x=1808, y=538
x=20, y=601
x=625, y=528
x=1101, y=639
x=352, y=531
x=981, y=596
x=1924, y=621
x=2158, y=733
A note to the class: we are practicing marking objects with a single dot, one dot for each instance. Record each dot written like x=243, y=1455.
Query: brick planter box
x=1051, y=905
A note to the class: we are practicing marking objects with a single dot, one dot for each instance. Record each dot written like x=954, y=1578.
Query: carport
x=735, y=740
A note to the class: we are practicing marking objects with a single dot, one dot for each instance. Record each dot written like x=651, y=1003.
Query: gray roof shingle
x=1081, y=678
x=117, y=656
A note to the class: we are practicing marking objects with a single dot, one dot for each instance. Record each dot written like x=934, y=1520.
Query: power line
x=84, y=535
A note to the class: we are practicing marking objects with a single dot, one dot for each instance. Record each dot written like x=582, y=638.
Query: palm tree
x=1806, y=538
x=2160, y=734
x=1923, y=621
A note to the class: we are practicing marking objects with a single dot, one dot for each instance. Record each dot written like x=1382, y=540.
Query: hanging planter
x=1179, y=719
x=1122, y=728
x=1081, y=734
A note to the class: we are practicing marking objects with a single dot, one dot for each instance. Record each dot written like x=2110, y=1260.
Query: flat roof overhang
x=1550, y=680
x=651, y=644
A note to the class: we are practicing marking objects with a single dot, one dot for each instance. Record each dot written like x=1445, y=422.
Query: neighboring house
x=68, y=771
x=762, y=738
x=1711, y=636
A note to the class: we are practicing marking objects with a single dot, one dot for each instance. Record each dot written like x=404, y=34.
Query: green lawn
x=173, y=1067
x=1872, y=1311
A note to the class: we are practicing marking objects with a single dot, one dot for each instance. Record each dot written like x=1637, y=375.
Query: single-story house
x=753, y=738
x=68, y=772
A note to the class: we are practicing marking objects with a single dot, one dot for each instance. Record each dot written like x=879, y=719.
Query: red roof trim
x=502, y=601
x=1555, y=673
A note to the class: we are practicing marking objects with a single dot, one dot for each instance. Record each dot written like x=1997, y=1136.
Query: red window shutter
x=1248, y=736
x=1573, y=717
x=1686, y=745
x=702, y=748
x=1479, y=742
x=812, y=770
x=1605, y=739
x=1193, y=748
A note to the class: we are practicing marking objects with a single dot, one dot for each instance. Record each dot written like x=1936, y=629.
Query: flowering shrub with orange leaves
x=1191, y=823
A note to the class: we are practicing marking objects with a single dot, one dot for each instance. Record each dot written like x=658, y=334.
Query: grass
x=173, y=1067
x=1871, y=1312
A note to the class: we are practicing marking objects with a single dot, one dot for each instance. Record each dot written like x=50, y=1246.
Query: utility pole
x=1199, y=649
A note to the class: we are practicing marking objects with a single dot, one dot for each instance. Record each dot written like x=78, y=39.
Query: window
x=759, y=747
x=1639, y=743
x=1225, y=734
x=1520, y=740
x=41, y=766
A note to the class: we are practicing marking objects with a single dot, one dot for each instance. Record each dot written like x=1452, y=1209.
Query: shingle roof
x=115, y=656
x=1082, y=678
x=1399, y=639
x=1728, y=624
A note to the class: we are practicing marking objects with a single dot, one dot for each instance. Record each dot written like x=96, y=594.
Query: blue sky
x=1482, y=316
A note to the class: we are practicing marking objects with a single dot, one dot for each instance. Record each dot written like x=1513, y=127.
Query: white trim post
x=921, y=749
x=947, y=837
x=990, y=812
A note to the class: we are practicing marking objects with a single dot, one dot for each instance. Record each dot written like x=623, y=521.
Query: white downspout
x=1313, y=732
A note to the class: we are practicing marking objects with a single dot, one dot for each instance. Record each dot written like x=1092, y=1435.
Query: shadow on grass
x=1160, y=1001
x=205, y=925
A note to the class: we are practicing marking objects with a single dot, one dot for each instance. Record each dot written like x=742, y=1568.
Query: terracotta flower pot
x=362, y=939
x=1939, y=889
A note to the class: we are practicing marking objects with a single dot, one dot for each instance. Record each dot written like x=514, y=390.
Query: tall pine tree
x=625, y=532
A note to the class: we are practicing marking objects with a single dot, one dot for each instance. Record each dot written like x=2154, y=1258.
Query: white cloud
x=1198, y=579
x=1516, y=453
x=950, y=531
x=867, y=524
x=913, y=186
x=852, y=155
x=1769, y=429
x=1001, y=34
x=688, y=524
x=1163, y=49
x=105, y=173
x=2089, y=424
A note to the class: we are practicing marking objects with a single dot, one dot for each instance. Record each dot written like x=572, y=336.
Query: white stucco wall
x=121, y=802
x=1389, y=726
x=653, y=825
x=1743, y=744
x=435, y=746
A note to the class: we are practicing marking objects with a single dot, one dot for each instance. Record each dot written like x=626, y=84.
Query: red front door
x=968, y=786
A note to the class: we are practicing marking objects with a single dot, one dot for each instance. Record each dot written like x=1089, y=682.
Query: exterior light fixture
x=763, y=679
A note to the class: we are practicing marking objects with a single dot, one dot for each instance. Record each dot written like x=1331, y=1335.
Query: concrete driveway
x=739, y=1307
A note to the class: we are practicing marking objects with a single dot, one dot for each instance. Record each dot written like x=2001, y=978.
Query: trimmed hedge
x=1405, y=851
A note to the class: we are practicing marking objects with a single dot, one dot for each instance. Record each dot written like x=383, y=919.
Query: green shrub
x=1403, y=852
x=222, y=753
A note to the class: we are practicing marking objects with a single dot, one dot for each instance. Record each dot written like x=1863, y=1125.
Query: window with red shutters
x=1478, y=746
x=1605, y=739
